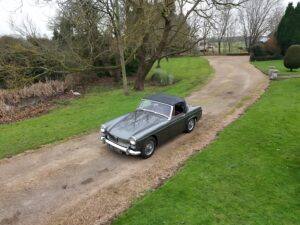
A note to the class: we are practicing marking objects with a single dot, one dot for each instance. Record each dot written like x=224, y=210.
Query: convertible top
x=167, y=99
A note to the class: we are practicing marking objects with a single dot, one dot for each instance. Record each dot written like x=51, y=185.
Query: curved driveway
x=80, y=182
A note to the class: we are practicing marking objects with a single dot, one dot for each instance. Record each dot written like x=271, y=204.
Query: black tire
x=190, y=125
x=148, y=148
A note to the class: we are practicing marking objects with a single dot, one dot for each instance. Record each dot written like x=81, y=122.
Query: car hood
x=135, y=122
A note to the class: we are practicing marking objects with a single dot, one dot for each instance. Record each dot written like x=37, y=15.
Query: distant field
x=264, y=67
x=249, y=175
x=235, y=47
x=99, y=105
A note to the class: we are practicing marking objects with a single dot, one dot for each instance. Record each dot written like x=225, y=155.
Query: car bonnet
x=136, y=122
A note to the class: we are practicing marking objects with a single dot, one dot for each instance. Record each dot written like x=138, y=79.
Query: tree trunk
x=219, y=47
x=158, y=63
x=139, y=82
x=121, y=49
x=146, y=64
x=246, y=43
x=123, y=68
x=141, y=56
x=143, y=70
x=116, y=74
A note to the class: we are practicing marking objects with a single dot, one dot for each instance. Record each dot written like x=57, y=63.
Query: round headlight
x=102, y=129
x=132, y=141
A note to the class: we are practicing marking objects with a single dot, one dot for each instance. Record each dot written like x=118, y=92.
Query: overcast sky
x=13, y=10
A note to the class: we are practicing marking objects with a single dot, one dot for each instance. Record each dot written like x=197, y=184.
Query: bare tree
x=26, y=29
x=231, y=33
x=146, y=29
x=165, y=14
x=276, y=18
x=204, y=31
x=112, y=8
x=94, y=32
x=254, y=17
x=120, y=46
x=222, y=19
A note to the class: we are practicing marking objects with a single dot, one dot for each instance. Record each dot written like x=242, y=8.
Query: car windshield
x=156, y=107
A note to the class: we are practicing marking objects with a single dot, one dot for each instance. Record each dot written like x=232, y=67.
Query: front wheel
x=148, y=148
x=190, y=125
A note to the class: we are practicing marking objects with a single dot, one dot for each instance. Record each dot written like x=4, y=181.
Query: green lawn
x=249, y=175
x=99, y=105
x=264, y=67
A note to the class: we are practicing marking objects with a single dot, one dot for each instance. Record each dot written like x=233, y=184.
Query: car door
x=179, y=117
x=176, y=125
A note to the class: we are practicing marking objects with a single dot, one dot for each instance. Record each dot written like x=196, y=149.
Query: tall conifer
x=288, y=32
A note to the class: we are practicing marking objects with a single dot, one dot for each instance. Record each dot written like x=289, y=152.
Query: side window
x=178, y=109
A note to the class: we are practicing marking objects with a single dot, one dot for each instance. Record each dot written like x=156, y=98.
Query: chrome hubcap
x=191, y=124
x=149, y=148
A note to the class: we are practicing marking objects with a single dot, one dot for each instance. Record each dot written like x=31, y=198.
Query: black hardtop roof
x=167, y=99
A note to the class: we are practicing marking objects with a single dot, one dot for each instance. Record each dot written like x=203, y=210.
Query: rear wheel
x=190, y=125
x=148, y=148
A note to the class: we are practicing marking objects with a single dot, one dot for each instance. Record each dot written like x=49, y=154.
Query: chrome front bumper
x=127, y=151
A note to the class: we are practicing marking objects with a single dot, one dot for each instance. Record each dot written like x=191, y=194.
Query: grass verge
x=99, y=105
x=249, y=175
x=264, y=67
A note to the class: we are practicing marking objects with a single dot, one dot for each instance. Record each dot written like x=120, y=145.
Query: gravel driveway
x=80, y=182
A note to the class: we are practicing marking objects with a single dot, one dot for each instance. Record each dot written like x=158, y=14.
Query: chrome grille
x=112, y=138
x=117, y=140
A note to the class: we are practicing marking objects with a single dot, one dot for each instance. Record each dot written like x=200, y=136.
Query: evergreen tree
x=288, y=32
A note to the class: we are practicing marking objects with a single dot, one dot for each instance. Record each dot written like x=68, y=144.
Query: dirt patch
x=87, y=181
x=11, y=220
x=31, y=183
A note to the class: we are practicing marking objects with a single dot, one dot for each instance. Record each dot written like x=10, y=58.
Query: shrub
x=18, y=104
x=272, y=47
x=237, y=53
x=37, y=90
x=132, y=67
x=292, y=57
x=74, y=80
x=258, y=50
x=161, y=77
x=27, y=61
x=267, y=57
x=262, y=52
